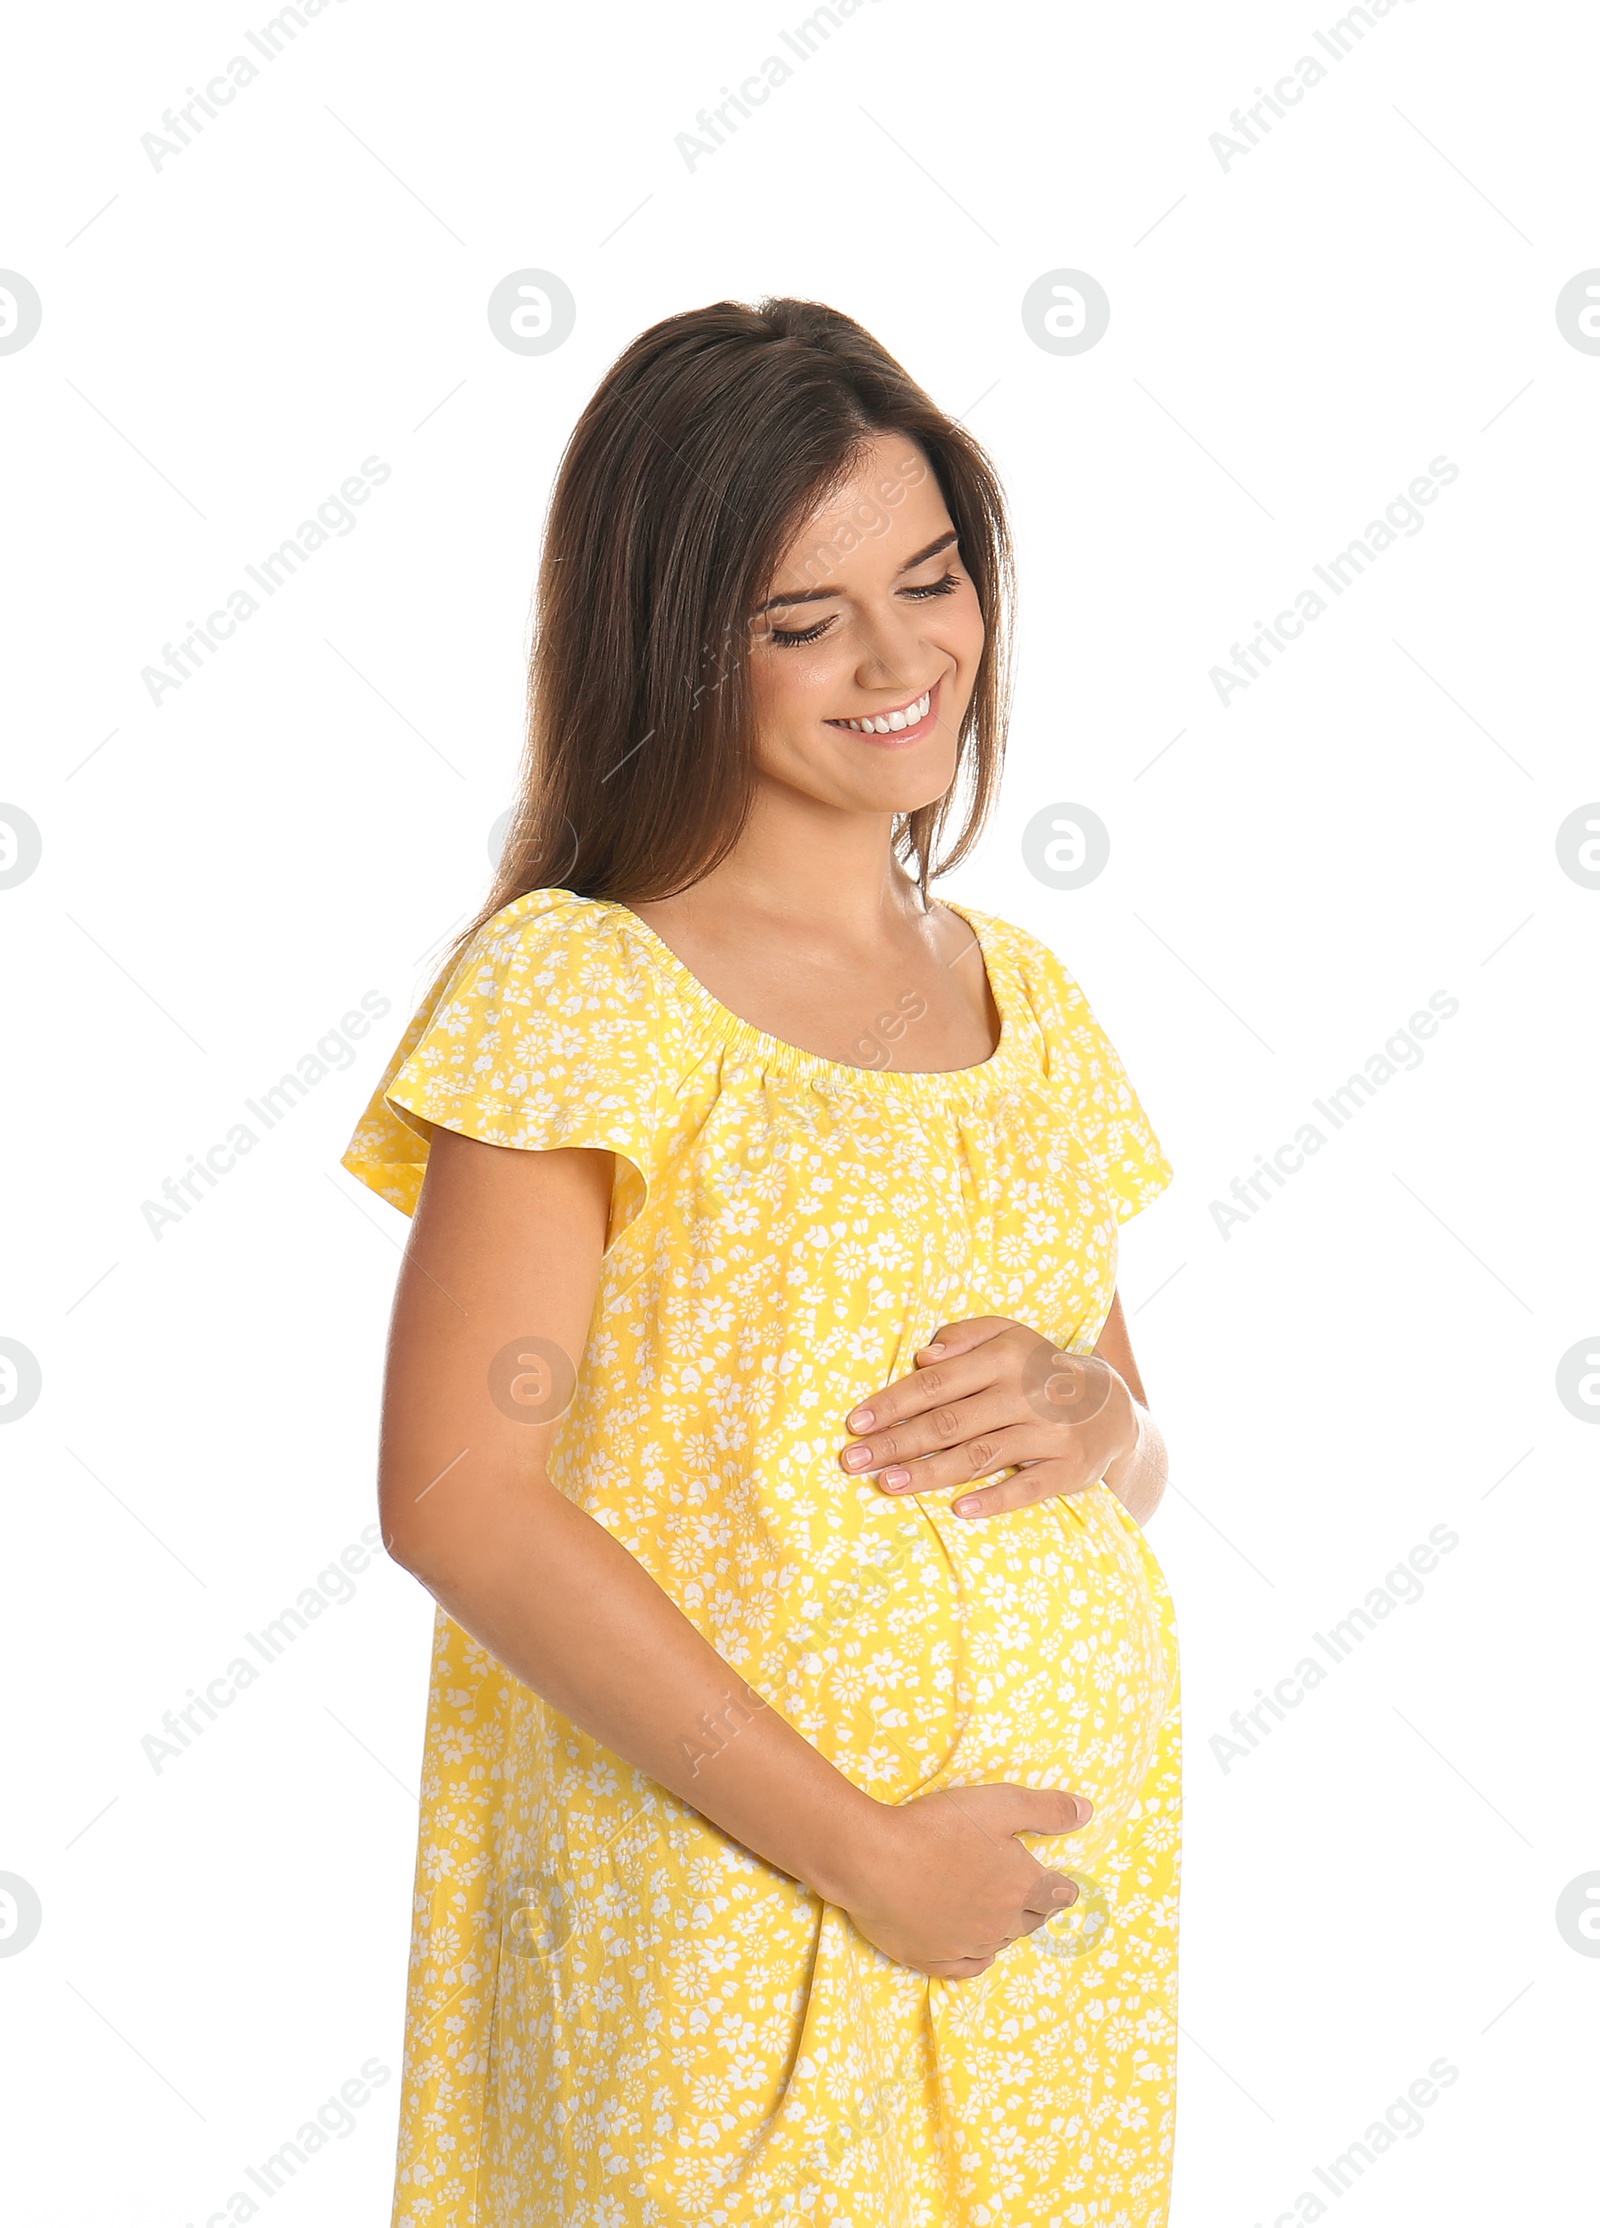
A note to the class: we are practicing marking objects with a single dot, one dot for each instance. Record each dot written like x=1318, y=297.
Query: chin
x=887, y=786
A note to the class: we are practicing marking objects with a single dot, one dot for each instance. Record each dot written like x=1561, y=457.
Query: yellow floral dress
x=617, y=2016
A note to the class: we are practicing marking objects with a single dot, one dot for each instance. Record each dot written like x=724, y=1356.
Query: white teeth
x=891, y=723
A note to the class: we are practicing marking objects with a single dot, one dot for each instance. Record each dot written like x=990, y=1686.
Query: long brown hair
x=707, y=445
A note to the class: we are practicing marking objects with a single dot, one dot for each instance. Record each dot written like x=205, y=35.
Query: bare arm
x=507, y=1245
x=505, y=1248
x=1139, y=1478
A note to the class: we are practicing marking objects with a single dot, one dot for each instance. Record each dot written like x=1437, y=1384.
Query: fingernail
x=893, y=1478
x=861, y=1420
x=1085, y=1809
x=966, y=1508
x=936, y=1348
x=854, y=1457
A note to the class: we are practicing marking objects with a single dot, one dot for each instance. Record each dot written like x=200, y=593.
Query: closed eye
x=790, y=638
x=945, y=586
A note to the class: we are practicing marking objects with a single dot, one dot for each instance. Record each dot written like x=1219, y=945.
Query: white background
x=1292, y=340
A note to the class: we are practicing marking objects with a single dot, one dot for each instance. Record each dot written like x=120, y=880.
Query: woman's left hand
x=988, y=1394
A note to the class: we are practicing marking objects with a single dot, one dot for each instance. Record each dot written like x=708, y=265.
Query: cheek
x=960, y=632
x=794, y=687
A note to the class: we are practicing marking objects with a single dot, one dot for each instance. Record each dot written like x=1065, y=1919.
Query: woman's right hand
x=940, y=1883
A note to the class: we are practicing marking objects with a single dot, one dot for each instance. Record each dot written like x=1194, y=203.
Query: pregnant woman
x=799, y=1836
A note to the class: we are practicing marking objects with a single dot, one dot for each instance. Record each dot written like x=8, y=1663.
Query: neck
x=800, y=861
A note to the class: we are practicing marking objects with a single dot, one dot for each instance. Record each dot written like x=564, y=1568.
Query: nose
x=894, y=653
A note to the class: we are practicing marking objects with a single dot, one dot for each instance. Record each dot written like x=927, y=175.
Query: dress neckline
x=774, y=1053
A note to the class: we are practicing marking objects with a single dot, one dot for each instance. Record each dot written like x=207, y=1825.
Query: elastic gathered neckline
x=744, y=1041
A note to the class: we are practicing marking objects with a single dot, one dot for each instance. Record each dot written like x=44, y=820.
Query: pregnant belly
x=926, y=1652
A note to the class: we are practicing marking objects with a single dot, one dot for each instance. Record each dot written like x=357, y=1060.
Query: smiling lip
x=916, y=718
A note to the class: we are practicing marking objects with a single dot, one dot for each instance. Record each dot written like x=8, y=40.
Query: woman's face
x=864, y=653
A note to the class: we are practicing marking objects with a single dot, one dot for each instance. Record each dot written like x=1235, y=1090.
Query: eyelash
x=789, y=640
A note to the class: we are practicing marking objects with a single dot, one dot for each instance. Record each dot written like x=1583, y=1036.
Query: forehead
x=888, y=506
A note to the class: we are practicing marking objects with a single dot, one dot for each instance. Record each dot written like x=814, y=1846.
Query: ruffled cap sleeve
x=542, y=1034
x=1080, y=1058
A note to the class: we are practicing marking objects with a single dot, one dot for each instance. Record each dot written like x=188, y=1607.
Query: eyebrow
x=822, y=595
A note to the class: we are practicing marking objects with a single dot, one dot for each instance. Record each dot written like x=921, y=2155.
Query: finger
x=951, y=1339
x=935, y=1418
x=1030, y=1923
x=966, y=1968
x=1019, y=1810
x=1047, y=1810
x=984, y=1457
x=1039, y=1481
x=947, y=1369
x=945, y=1380
x=999, y=1811
x=989, y=1417
x=1052, y=1893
